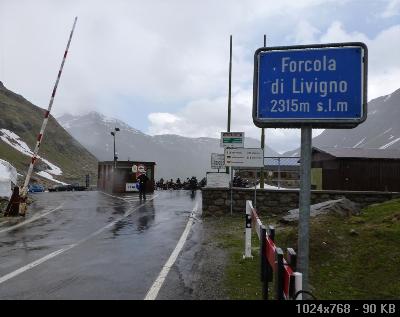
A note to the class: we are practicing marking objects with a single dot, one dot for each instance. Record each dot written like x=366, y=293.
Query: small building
x=357, y=169
x=123, y=178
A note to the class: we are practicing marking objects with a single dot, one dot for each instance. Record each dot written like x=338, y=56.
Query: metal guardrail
x=288, y=282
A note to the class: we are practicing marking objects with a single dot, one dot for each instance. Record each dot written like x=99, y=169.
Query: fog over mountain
x=175, y=156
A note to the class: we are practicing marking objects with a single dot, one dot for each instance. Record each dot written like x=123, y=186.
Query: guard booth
x=123, y=177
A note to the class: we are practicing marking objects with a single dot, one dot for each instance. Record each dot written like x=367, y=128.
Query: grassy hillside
x=23, y=118
x=350, y=258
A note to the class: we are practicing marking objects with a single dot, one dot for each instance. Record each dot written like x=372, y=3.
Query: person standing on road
x=142, y=179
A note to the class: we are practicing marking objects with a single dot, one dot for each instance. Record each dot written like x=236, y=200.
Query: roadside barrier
x=273, y=265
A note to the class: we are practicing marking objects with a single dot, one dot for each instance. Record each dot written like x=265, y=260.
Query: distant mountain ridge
x=381, y=130
x=175, y=156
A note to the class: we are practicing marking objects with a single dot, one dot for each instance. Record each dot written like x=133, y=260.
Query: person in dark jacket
x=193, y=184
x=142, y=179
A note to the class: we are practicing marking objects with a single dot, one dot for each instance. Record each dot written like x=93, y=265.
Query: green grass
x=242, y=276
x=342, y=265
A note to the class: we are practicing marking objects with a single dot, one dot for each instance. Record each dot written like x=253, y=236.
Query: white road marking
x=155, y=288
x=34, y=218
x=69, y=247
x=113, y=196
x=125, y=198
x=33, y=264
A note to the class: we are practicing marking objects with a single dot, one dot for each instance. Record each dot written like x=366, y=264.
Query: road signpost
x=320, y=85
x=232, y=139
x=217, y=161
x=244, y=157
x=310, y=86
x=141, y=169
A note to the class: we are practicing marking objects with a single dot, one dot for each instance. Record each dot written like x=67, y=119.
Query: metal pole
x=279, y=172
x=229, y=90
x=44, y=124
x=263, y=136
x=304, y=204
x=231, y=191
x=115, y=162
x=247, y=239
x=255, y=194
x=230, y=84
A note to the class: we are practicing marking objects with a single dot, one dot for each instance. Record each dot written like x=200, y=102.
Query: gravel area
x=211, y=261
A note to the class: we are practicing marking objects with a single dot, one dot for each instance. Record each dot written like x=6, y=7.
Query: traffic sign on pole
x=217, y=161
x=232, y=139
x=322, y=85
x=141, y=169
x=310, y=86
x=244, y=157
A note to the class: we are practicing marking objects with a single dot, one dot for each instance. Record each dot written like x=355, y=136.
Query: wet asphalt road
x=94, y=246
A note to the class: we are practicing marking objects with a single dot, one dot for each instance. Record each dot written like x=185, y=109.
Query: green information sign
x=232, y=139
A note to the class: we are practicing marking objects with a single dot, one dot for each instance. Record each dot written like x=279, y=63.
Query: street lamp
x=115, y=154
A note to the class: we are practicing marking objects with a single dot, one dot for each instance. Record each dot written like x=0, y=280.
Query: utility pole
x=113, y=133
x=229, y=90
x=263, y=136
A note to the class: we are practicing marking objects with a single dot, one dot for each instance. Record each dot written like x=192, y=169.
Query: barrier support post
x=292, y=259
x=279, y=274
x=263, y=262
x=270, y=271
x=298, y=285
x=247, y=244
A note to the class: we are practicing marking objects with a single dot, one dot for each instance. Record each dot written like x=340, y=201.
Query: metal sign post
x=309, y=86
x=232, y=171
x=304, y=204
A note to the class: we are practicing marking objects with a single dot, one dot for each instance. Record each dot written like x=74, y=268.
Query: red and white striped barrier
x=46, y=118
x=288, y=282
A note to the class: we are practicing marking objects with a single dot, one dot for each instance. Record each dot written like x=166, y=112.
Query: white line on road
x=155, y=288
x=33, y=264
x=69, y=247
x=34, y=218
x=129, y=199
x=113, y=196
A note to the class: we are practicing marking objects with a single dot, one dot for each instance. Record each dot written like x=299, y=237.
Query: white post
x=298, y=284
x=247, y=244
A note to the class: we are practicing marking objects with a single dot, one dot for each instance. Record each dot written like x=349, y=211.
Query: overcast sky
x=162, y=65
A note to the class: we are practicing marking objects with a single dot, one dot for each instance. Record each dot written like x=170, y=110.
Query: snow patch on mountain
x=50, y=177
x=389, y=144
x=8, y=177
x=387, y=97
x=359, y=143
x=15, y=141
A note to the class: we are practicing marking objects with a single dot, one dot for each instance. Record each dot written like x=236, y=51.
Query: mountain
x=381, y=130
x=175, y=156
x=62, y=158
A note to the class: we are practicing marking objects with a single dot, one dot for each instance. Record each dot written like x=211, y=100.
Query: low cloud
x=207, y=117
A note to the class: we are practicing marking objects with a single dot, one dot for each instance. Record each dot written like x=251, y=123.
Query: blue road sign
x=320, y=85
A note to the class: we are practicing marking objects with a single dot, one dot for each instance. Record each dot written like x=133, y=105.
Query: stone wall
x=217, y=200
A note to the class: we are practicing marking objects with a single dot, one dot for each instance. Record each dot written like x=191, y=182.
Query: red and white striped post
x=24, y=190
